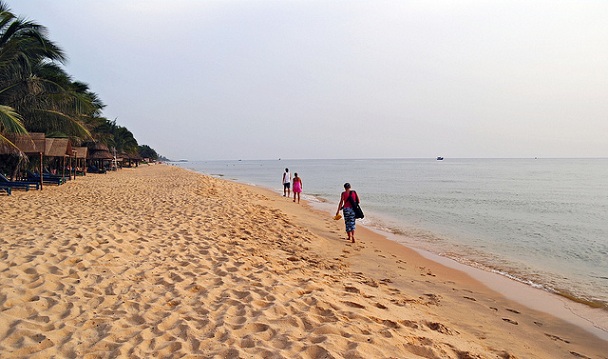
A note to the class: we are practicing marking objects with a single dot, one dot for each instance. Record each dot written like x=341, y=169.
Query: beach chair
x=52, y=179
x=48, y=173
x=94, y=169
x=7, y=189
x=5, y=182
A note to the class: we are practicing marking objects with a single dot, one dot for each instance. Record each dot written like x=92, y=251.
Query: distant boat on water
x=439, y=158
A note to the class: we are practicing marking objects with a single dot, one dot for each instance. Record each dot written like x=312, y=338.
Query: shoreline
x=592, y=319
x=466, y=264
x=553, y=261
x=587, y=317
x=513, y=293
x=160, y=261
x=577, y=312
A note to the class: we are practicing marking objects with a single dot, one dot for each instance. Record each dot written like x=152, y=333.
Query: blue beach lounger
x=34, y=177
x=5, y=182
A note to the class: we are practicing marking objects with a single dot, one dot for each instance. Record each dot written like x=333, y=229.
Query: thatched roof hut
x=99, y=151
x=37, y=142
x=58, y=147
x=32, y=143
x=81, y=152
x=129, y=159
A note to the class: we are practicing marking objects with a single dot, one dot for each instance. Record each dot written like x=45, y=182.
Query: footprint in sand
x=380, y=306
x=353, y=304
x=432, y=299
x=556, y=338
x=352, y=290
x=438, y=327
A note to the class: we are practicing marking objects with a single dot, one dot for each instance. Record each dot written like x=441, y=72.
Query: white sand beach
x=159, y=261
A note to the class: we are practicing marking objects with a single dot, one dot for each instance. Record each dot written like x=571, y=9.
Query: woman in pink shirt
x=346, y=205
x=297, y=187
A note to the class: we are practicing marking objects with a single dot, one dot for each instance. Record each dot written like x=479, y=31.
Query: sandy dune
x=161, y=262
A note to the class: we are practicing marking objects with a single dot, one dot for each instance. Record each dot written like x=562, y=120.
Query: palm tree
x=116, y=137
x=146, y=151
x=10, y=56
x=125, y=142
x=10, y=122
x=35, y=93
x=58, y=105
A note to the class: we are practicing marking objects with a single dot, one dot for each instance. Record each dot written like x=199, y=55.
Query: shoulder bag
x=355, y=204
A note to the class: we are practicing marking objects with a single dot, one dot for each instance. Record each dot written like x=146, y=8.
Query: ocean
x=543, y=222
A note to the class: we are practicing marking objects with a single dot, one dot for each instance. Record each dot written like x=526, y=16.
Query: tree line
x=37, y=95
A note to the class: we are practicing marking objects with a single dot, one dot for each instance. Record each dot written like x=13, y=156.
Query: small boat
x=439, y=158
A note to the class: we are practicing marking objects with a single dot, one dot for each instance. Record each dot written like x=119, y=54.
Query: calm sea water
x=540, y=221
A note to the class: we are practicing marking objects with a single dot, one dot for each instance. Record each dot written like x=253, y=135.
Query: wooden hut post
x=75, y=163
x=41, y=168
x=67, y=161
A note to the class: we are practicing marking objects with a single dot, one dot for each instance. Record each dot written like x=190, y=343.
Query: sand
x=162, y=262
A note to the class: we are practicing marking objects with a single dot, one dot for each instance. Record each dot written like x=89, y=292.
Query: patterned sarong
x=349, y=218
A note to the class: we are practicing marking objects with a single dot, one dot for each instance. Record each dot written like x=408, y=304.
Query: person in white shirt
x=286, y=183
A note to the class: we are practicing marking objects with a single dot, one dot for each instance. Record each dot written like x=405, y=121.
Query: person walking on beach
x=297, y=187
x=286, y=183
x=346, y=205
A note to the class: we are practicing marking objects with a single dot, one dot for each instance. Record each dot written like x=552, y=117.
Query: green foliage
x=146, y=151
x=115, y=136
x=37, y=95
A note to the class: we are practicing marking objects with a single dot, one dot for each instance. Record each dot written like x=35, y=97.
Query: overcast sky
x=260, y=79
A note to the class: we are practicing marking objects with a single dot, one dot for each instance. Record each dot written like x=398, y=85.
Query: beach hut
x=57, y=147
x=61, y=150
x=80, y=156
x=128, y=160
x=32, y=144
x=99, y=156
